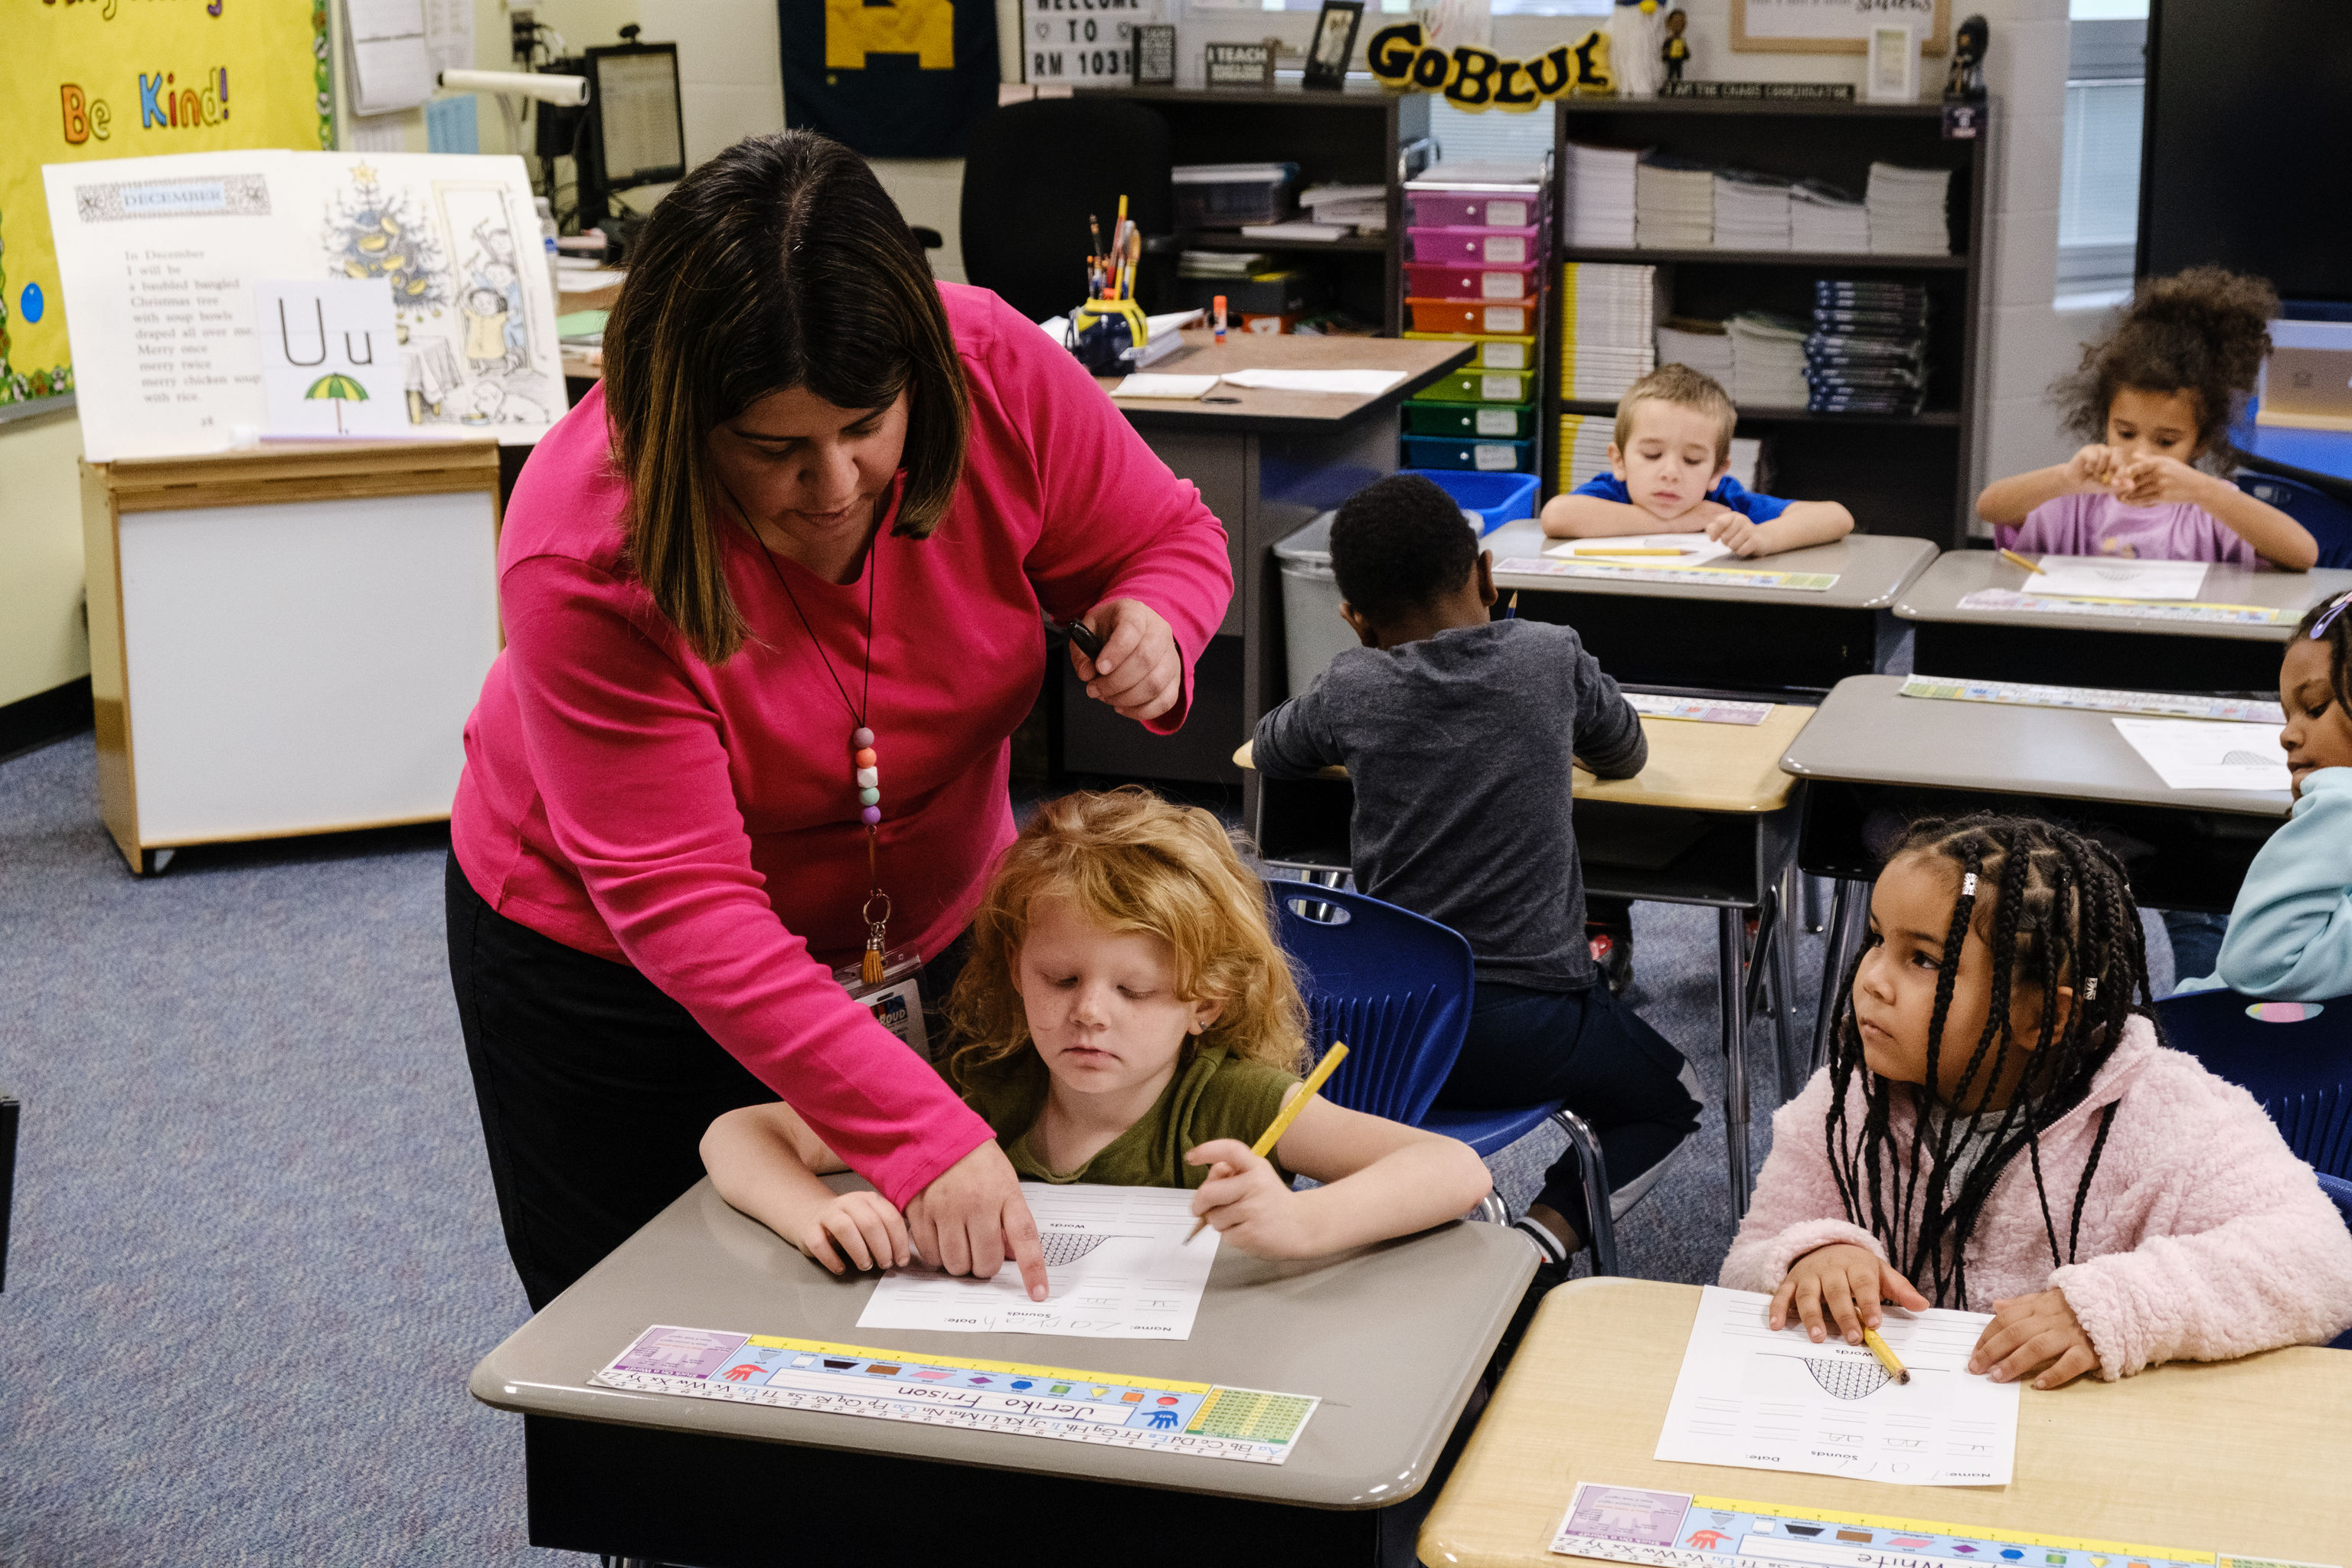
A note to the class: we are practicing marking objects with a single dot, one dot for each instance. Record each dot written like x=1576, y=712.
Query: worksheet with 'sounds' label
x=1766, y=1401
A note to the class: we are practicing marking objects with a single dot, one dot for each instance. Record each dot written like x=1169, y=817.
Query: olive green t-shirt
x=1212, y=1096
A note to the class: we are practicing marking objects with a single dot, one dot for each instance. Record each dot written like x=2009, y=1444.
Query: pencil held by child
x=1670, y=472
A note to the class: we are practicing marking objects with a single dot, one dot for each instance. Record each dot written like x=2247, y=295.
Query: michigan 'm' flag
x=890, y=78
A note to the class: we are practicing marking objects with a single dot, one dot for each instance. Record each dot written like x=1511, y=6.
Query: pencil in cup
x=1281, y=1125
x=1886, y=1357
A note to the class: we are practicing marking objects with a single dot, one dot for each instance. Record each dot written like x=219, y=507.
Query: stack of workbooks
x=1768, y=359
x=1222, y=263
x=1364, y=208
x=1584, y=446
x=1704, y=346
x=1824, y=217
x=1907, y=211
x=1597, y=196
x=1868, y=350
x=1609, y=317
x=1674, y=203
x=1751, y=211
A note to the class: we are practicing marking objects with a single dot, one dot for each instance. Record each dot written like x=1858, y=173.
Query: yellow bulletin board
x=134, y=78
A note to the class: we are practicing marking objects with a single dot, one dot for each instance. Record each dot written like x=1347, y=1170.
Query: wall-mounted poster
x=892, y=78
x=130, y=78
x=1836, y=26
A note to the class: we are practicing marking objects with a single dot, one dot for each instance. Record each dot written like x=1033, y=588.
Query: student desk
x=2136, y=652
x=1709, y=820
x=2248, y=1455
x=1872, y=753
x=1726, y=637
x=1393, y=1337
x=1266, y=463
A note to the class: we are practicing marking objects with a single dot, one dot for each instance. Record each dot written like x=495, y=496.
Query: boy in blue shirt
x=1670, y=473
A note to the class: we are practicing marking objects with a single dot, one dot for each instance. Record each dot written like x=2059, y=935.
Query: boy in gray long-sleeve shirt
x=1459, y=733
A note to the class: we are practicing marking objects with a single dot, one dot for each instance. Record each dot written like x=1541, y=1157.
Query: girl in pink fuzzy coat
x=2111, y=1203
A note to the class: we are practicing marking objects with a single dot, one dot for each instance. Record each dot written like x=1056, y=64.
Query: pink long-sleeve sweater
x=701, y=823
x=2203, y=1237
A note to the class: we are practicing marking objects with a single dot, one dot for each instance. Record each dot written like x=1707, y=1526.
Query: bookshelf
x=1900, y=475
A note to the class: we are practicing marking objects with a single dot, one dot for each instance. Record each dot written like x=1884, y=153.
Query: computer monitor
x=639, y=132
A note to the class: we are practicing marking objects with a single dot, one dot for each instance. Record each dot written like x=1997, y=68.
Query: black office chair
x=1034, y=171
x=7, y=1176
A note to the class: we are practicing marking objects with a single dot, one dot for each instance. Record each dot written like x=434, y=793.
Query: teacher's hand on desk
x=973, y=1214
x=1140, y=673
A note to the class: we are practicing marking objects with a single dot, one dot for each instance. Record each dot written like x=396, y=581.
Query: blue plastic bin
x=1495, y=498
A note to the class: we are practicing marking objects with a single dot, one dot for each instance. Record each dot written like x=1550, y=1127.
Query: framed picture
x=1892, y=76
x=1155, y=55
x=1834, y=27
x=1240, y=65
x=1335, y=44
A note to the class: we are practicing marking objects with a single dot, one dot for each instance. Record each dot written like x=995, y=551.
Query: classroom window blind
x=1518, y=138
x=2098, y=191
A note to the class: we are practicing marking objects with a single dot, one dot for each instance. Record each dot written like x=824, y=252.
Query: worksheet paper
x=1176, y=387
x=1765, y=1401
x=2115, y=577
x=1118, y=1267
x=1359, y=383
x=1690, y=549
x=2199, y=753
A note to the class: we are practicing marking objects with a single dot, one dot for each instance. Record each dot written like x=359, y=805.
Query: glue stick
x=1219, y=320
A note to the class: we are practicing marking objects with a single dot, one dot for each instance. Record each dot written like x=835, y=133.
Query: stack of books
x=1868, y=350
x=1597, y=196
x=1768, y=359
x=1748, y=464
x=1674, y=203
x=1751, y=211
x=1364, y=208
x=1584, y=446
x=1824, y=217
x=1704, y=346
x=1907, y=211
x=1609, y=317
x=1222, y=263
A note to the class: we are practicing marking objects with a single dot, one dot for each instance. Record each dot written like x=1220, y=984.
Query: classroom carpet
x=254, y=1253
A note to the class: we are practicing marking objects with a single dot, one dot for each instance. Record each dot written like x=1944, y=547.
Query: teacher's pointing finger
x=973, y=1215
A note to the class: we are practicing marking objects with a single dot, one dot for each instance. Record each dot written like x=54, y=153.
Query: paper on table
x=1362, y=382
x=1118, y=1267
x=1164, y=386
x=2115, y=577
x=1765, y=1401
x=1694, y=548
x=2199, y=753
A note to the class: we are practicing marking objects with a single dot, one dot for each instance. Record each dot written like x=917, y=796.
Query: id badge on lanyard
x=895, y=1000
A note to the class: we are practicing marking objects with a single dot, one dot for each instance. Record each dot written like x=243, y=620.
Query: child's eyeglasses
x=2319, y=627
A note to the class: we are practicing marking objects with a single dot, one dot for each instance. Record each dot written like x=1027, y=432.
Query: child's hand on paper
x=2093, y=467
x=1247, y=1204
x=862, y=1224
x=2039, y=1331
x=1844, y=1283
x=2151, y=481
x=1734, y=531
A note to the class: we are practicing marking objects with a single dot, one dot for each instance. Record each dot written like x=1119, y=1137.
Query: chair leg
x=1814, y=900
x=1491, y=1210
x=1600, y=1224
x=1849, y=919
x=1732, y=926
x=1792, y=1072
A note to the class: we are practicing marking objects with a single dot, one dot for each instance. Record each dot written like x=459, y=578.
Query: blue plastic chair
x=1397, y=988
x=2337, y=1188
x=2329, y=520
x=2302, y=1073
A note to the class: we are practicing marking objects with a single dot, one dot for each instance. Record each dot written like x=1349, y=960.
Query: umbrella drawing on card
x=340, y=389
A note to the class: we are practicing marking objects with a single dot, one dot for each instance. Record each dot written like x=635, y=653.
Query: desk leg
x=1849, y=919
x=1813, y=911
x=1793, y=1071
x=1732, y=923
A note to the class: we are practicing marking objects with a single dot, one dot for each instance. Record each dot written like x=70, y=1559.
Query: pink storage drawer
x=1458, y=282
x=1473, y=209
x=1477, y=246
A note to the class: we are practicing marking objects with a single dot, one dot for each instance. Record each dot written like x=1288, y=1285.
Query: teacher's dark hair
x=780, y=263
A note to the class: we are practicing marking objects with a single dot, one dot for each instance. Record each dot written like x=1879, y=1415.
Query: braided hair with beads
x=2054, y=909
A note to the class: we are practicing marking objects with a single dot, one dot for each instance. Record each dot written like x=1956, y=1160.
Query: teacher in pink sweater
x=772, y=601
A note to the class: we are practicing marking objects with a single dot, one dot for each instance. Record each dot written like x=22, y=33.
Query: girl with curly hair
x=2154, y=398
x=1126, y=1017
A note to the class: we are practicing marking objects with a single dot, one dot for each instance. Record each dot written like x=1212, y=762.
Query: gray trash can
x=1312, y=632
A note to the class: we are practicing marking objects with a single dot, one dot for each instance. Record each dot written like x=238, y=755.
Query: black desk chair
x=7, y=1176
x=1034, y=171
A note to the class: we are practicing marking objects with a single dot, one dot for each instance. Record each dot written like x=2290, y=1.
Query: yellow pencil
x=1886, y=1358
x=2015, y=559
x=1281, y=1125
x=1598, y=549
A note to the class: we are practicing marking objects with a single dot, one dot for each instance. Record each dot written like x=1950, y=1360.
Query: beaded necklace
x=864, y=760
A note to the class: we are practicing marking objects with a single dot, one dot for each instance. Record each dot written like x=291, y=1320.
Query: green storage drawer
x=1503, y=421
x=1482, y=386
